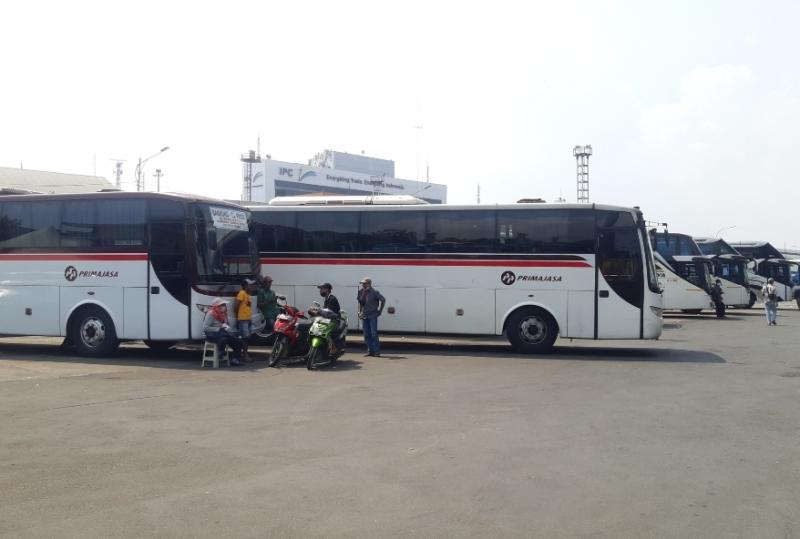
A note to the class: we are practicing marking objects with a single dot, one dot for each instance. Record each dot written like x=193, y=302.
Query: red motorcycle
x=291, y=335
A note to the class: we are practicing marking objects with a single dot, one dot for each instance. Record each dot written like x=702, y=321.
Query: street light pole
x=140, y=168
x=723, y=229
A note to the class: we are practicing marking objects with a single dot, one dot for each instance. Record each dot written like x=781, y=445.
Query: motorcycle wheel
x=311, y=360
x=279, y=351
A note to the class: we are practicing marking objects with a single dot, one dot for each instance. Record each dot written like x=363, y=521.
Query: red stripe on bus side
x=428, y=262
x=67, y=256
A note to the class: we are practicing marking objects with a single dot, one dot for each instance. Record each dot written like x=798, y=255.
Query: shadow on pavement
x=569, y=353
x=184, y=358
x=178, y=358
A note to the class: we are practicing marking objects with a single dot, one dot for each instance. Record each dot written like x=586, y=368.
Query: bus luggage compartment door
x=468, y=310
x=28, y=310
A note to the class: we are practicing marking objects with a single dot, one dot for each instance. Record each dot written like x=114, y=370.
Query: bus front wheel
x=531, y=330
x=92, y=332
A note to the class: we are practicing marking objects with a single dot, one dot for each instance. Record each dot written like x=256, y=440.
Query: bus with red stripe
x=532, y=272
x=101, y=268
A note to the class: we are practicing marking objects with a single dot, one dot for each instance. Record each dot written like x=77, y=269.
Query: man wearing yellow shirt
x=243, y=307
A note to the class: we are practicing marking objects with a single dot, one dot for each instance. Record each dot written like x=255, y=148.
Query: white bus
x=770, y=263
x=100, y=268
x=530, y=271
x=684, y=275
x=740, y=285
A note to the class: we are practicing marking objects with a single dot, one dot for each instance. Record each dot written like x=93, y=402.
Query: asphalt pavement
x=694, y=435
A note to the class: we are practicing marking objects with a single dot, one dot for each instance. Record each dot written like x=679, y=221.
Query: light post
x=139, y=173
x=723, y=229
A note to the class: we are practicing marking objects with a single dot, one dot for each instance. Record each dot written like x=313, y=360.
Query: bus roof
x=436, y=207
x=116, y=195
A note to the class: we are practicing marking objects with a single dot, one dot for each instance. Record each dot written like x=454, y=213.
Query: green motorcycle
x=328, y=328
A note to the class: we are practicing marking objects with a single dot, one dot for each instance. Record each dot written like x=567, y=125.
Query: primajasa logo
x=509, y=277
x=71, y=273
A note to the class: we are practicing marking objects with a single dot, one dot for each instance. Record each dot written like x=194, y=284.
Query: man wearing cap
x=332, y=303
x=370, y=307
x=267, y=301
x=244, y=315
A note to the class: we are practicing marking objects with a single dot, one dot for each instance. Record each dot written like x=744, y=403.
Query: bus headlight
x=658, y=311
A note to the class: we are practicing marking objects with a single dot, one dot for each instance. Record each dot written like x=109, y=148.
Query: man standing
x=770, y=296
x=716, y=296
x=243, y=307
x=370, y=307
x=267, y=301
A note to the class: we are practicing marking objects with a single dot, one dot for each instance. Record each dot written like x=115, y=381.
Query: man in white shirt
x=770, y=295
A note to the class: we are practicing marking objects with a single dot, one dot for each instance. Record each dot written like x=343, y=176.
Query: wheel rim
x=93, y=332
x=533, y=330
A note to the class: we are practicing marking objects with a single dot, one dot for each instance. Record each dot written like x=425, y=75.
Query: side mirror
x=211, y=238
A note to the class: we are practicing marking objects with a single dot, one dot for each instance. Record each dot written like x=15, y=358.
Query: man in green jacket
x=267, y=301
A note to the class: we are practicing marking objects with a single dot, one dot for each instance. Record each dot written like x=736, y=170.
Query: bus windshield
x=225, y=249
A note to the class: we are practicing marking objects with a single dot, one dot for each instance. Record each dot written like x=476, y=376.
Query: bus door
x=168, y=280
x=619, y=277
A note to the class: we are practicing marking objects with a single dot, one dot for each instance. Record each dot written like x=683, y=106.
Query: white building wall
x=273, y=178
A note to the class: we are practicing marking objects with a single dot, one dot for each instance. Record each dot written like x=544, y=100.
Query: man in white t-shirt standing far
x=770, y=295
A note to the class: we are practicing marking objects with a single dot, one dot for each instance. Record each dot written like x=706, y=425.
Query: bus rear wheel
x=93, y=333
x=531, y=331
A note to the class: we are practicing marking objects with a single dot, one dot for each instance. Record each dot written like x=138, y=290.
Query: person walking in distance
x=243, y=307
x=370, y=307
x=770, y=296
x=716, y=296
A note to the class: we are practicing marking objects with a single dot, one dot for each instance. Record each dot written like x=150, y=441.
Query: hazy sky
x=692, y=107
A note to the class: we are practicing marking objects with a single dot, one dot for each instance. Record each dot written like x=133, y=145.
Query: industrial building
x=330, y=173
x=20, y=180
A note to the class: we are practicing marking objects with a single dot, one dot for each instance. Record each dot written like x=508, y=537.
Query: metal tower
x=249, y=159
x=582, y=154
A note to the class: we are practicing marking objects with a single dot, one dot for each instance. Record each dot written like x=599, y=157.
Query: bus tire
x=531, y=330
x=691, y=311
x=92, y=332
x=751, y=301
x=159, y=346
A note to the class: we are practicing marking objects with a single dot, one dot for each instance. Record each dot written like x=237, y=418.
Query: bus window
x=277, y=231
x=392, y=232
x=77, y=223
x=545, y=231
x=620, y=256
x=30, y=225
x=168, y=247
x=328, y=232
x=469, y=231
x=121, y=223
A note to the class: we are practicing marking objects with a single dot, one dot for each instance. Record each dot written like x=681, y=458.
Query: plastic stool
x=211, y=354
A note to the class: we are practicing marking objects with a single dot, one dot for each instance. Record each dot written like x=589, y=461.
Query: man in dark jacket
x=332, y=303
x=370, y=307
x=716, y=296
